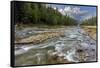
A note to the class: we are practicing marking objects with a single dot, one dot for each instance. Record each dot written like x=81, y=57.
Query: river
x=75, y=46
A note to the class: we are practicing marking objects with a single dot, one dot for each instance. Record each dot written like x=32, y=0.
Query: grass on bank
x=23, y=26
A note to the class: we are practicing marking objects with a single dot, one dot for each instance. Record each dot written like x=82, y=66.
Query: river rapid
x=75, y=46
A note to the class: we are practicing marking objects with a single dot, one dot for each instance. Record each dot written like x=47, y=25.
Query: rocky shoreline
x=91, y=31
x=35, y=39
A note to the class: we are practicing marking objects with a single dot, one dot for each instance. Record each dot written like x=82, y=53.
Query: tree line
x=37, y=13
x=91, y=21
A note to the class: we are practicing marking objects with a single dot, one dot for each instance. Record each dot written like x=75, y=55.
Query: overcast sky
x=77, y=12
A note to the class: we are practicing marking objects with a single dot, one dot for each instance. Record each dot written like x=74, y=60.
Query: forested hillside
x=91, y=21
x=33, y=13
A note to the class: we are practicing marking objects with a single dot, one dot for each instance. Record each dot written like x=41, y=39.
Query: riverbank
x=91, y=31
x=35, y=39
x=38, y=34
x=23, y=26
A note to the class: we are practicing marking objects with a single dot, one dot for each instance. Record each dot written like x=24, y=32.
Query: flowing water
x=75, y=46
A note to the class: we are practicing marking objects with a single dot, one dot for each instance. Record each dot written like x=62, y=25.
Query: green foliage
x=36, y=13
x=91, y=21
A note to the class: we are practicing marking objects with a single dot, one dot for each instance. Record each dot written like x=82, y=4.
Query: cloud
x=73, y=12
x=62, y=11
x=87, y=17
x=54, y=8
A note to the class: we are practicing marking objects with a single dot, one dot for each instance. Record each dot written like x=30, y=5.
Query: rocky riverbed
x=35, y=39
x=91, y=30
x=61, y=45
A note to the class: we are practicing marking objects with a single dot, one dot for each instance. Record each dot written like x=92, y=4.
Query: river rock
x=39, y=38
